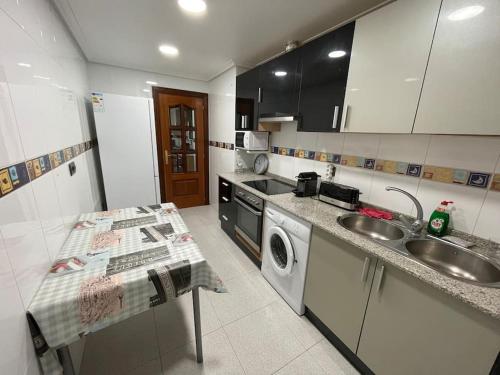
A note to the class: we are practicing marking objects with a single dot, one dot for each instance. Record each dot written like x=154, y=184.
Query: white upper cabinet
x=389, y=54
x=461, y=93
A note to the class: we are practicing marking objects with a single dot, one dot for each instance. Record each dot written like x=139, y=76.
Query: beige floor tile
x=218, y=358
x=301, y=327
x=302, y=365
x=150, y=368
x=175, y=321
x=120, y=347
x=246, y=294
x=263, y=342
x=330, y=359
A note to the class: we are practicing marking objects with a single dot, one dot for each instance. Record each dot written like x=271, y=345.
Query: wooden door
x=182, y=143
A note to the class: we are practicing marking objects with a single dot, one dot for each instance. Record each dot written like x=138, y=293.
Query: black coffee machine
x=307, y=184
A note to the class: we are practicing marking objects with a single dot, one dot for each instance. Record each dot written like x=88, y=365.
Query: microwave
x=252, y=141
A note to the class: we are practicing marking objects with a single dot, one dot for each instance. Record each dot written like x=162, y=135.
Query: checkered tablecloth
x=133, y=259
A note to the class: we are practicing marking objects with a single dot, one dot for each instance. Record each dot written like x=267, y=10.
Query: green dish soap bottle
x=439, y=220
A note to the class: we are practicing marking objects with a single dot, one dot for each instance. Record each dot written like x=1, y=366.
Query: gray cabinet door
x=339, y=277
x=413, y=328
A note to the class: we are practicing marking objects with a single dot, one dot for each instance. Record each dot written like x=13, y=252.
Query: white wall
x=476, y=210
x=221, y=118
x=115, y=80
x=42, y=109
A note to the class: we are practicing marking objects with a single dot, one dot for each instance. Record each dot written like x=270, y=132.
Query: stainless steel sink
x=373, y=228
x=454, y=261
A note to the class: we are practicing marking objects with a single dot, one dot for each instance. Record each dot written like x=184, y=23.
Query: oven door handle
x=246, y=206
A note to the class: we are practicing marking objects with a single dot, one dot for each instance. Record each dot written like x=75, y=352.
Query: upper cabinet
x=388, y=60
x=325, y=65
x=279, y=82
x=461, y=90
x=247, y=100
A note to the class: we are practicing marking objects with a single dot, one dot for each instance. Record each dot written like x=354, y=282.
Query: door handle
x=335, y=117
x=225, y=199
x=247, y=207
x=225, y=184
x=344, y=123
x=366, y=266
x=379, y=284
x=167, y=155
x=225, y=217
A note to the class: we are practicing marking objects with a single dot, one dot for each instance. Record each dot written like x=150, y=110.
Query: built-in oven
x=248, y=228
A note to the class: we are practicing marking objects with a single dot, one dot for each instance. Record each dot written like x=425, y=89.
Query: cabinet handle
x=335, y=117
x=366, y=265
x=225, y=199
x=259, y=99
x=225, y=184
x=379, y=284
x=344, y=123
x=225, y=217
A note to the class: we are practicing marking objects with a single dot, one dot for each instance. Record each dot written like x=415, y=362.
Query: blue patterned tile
x=478, y=179
x=369, y=163
x=414, y=170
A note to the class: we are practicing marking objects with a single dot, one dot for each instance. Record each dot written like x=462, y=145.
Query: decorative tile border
x=428, y=172
x=15, y=176
x=226, y=145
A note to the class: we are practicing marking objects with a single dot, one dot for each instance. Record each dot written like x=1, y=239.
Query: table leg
x=65, y=359
x=197, y=324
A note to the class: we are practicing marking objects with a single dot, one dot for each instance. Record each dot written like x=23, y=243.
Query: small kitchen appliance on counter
x=339, y=195
x=307, y=184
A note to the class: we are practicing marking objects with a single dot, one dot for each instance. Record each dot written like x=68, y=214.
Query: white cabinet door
x=461, y=93
x=389, y=55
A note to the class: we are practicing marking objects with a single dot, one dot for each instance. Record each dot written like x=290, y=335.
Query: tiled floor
x=249, y=330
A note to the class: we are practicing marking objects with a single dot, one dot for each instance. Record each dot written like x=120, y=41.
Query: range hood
x=279, y=117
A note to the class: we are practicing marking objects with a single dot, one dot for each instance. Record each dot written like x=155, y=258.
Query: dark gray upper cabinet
x=325, y=66
x=247, y=100
x=279, y=82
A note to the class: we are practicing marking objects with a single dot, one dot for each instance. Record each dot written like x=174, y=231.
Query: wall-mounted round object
x=261, y=164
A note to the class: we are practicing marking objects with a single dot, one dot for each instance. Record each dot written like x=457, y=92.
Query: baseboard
x=337, y=342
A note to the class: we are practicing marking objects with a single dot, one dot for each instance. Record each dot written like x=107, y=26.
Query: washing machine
x=285, y=247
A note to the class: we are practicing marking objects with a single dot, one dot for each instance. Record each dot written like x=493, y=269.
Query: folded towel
x=377, y=214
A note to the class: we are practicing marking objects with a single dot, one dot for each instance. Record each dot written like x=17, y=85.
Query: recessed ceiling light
x=411, y=79
x=152, y=83
x=41, y=77
x=168, y=50
x=336, y=54
x=193, y=6
x=280, y=73
x=466, y=12
x=24, y=65
x=146, y=90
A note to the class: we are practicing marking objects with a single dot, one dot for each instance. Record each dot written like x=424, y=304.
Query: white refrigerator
x=126, y=135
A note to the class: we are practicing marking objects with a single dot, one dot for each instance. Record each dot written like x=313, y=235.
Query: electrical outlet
x=72, y=168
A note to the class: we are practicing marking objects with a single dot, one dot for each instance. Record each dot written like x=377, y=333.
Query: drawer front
x=225, y=191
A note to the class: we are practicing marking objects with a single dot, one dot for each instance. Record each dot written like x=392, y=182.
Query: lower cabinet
x=227, y=207
x=412, y=328
x=338, y=284
x=395, y=323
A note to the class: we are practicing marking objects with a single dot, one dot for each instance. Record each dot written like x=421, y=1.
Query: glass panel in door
x=175, y=116
x=191, y=140
x=191, y=163
x=177, y=163
x=176, y=140
x=189, y=116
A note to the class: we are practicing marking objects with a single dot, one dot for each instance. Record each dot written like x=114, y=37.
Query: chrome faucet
x=415, y=227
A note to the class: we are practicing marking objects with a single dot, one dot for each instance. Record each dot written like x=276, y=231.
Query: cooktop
x=270, y=187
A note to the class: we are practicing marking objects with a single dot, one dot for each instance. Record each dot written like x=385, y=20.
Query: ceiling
x=127, y=33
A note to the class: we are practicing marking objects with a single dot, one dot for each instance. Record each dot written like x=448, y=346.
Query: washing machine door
x=281, y=251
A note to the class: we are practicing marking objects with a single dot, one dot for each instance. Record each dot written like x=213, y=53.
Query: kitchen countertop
x=325, y=216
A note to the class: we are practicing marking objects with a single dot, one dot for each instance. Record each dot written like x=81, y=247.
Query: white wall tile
x=399, y=147
x=390, y=199
x=487, y=224
x=330, y=142
x=474, y=153
x=466, y=207
x=286, y=137
x=356, y=177
x=361, y=144
x=10, y=144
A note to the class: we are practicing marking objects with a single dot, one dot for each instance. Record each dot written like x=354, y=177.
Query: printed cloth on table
x=147, y=258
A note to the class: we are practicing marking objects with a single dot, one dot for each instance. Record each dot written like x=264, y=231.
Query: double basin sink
x=449, y=259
